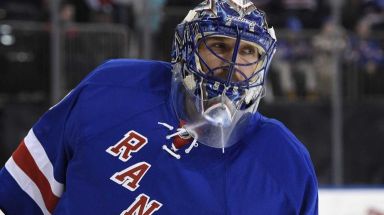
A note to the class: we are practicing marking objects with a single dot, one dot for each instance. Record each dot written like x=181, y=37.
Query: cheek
x=211, y=60
x=246, y=70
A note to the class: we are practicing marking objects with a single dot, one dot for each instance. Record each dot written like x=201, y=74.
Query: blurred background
x=326, y=82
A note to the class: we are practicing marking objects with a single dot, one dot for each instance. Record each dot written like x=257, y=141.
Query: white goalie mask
x=221, y=54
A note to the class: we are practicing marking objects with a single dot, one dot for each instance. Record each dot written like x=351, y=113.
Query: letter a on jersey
x=131, y=176
x=132, y=142
x=142, y=207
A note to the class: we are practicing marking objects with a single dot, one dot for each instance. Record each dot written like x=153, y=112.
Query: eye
x=248, y=50
x=218, y=47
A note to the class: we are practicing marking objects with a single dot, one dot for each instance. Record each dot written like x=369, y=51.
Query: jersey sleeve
x=33, y=179
x=310, y=200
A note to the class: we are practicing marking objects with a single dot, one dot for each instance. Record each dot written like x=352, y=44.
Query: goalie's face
x=222, y=58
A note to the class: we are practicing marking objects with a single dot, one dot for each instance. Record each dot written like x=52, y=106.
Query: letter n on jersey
x=132, y=142
x=142, y=207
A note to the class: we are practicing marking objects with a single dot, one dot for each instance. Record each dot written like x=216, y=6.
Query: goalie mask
x=220, y=57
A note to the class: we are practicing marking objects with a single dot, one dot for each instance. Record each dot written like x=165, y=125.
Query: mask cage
x=232, y=68
x=196, y=33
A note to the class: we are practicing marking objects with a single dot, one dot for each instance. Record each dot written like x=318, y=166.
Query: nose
x=239, y=72
x=227, y=56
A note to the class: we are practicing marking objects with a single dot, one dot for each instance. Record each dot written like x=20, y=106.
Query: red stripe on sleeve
x=25, y=161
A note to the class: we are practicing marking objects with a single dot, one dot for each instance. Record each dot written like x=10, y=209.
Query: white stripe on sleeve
x=39, y=155
x=26, y=184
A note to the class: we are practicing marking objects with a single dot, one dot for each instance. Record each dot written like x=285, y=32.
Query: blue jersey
x=101, y=151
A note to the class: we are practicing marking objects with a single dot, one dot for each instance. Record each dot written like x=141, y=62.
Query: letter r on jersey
x=142, y=207
x=132, y=142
